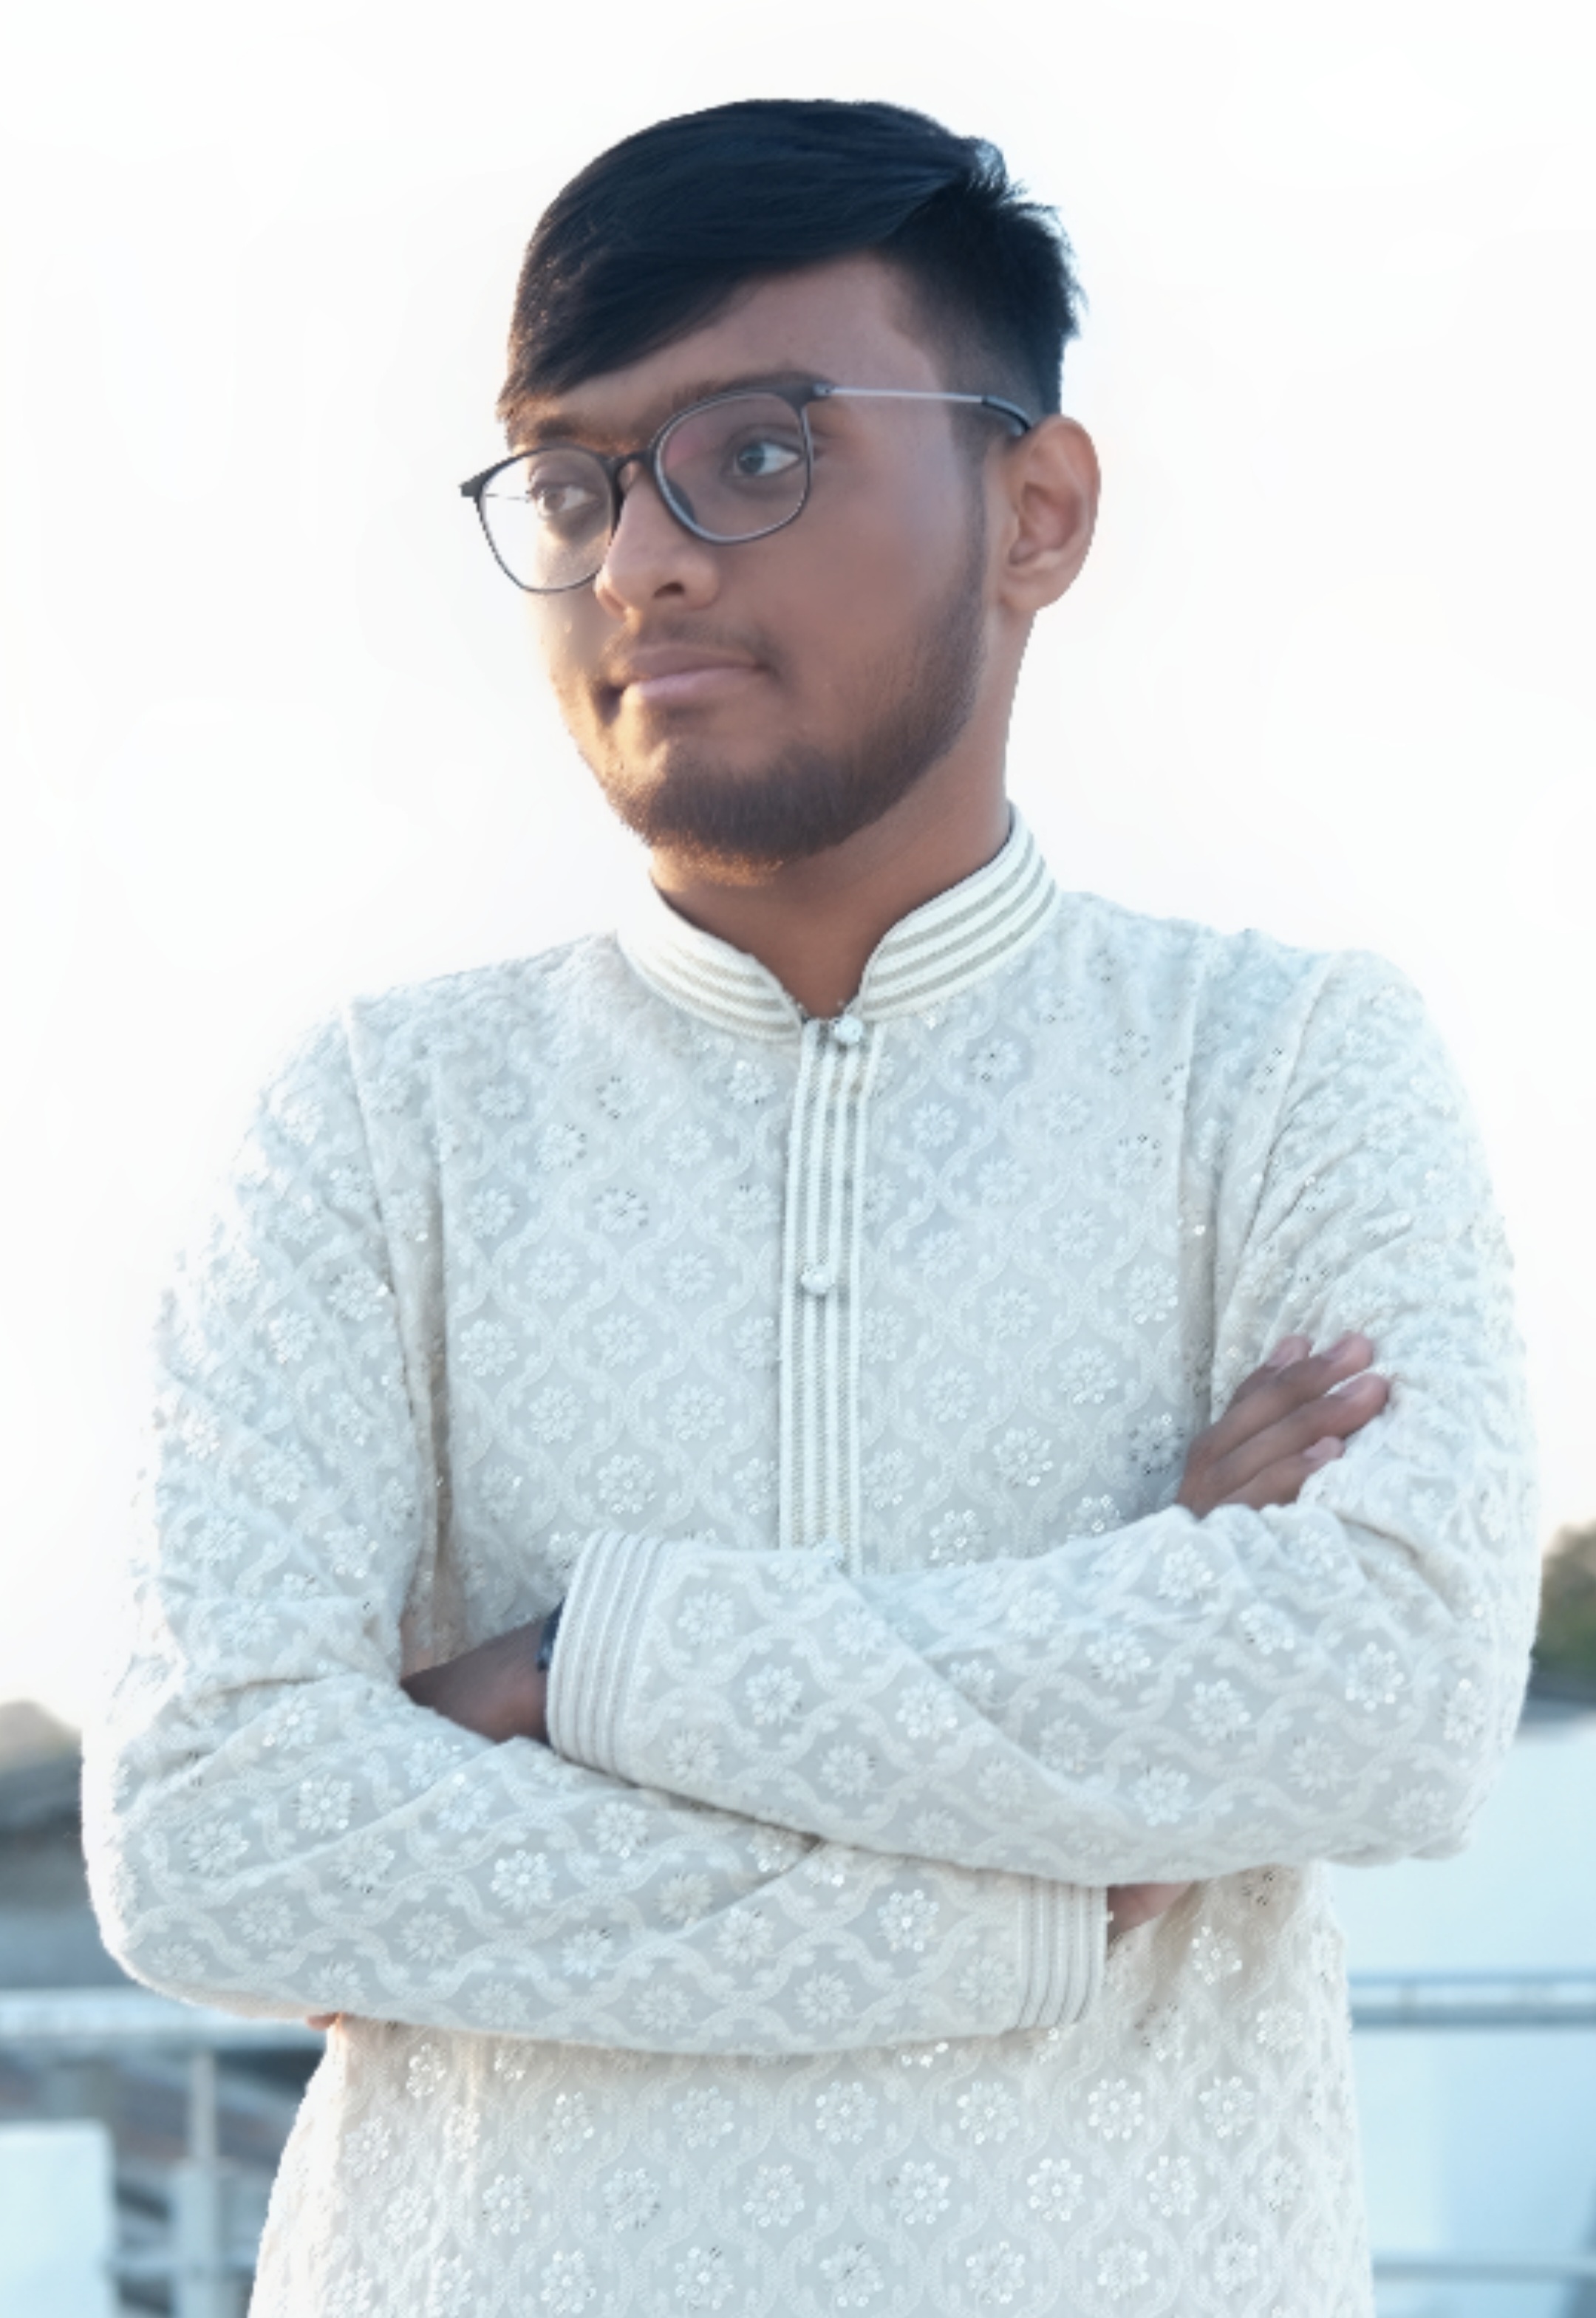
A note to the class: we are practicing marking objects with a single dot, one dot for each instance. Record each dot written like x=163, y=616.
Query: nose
x=651, y=554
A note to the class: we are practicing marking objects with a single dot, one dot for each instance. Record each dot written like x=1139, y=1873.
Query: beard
x=807, y=799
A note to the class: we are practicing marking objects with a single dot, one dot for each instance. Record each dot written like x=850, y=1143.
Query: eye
x=563, y=493
x=760, y=458
x=561, y=505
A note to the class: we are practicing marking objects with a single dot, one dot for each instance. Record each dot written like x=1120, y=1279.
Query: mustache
x=613, y=665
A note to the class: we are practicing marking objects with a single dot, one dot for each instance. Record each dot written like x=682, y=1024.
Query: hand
x=1130, y=1904
x=495, y=1690
x=1285, y=1423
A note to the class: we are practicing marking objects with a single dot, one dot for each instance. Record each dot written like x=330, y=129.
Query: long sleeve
x=274, y=1825
x=1337, y=1679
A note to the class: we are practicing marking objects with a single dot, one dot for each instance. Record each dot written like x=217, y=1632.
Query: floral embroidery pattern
x=781, y=1982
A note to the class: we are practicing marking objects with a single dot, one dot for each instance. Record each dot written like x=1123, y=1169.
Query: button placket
x=819, y=1418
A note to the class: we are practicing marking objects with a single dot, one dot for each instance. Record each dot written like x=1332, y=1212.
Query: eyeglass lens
x=731, y=470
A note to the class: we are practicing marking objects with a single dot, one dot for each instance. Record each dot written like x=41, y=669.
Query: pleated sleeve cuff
x=1068, y=1945
x=598, y=1647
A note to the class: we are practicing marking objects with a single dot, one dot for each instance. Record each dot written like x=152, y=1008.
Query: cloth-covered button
x=817, y=1279
x=848, y=1029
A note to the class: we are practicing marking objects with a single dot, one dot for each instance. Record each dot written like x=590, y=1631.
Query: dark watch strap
x=545, y=1641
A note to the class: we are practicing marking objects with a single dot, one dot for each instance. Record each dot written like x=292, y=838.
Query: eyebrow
x=557, y=426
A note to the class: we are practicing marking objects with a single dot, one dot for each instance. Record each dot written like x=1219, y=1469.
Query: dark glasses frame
x=650, y=456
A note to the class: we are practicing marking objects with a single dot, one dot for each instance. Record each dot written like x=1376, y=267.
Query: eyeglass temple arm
x=472, y=488
x=925, y=394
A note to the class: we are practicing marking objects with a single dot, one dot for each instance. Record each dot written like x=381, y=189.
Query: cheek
x=883, y=568
x=936, y=521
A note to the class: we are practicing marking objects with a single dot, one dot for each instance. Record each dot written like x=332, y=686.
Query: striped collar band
x=944, y=946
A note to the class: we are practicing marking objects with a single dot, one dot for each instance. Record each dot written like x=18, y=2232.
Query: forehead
x=849, y=322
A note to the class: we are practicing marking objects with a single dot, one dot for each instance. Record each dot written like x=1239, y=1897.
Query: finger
x=1335, y=1416
x=1281, y=1483
x=323, y=2020
x=1216, y=1472
x=1287, y=1389
x=1131, y=1904
x=1285, y=1355
x=1285, y=1411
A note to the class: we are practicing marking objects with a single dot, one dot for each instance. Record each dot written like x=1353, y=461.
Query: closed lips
x=681, y=675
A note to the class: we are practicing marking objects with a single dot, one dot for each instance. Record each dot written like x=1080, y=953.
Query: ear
x=1049, y=482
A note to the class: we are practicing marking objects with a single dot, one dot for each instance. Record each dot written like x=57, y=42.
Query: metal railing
x=1474, y=1999
x=202, y=2256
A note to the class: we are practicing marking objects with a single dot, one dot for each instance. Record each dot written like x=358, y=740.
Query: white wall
x=1483, y=2141
x=56, y=2221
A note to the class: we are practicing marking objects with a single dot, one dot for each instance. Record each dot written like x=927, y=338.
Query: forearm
x=273, y=1823
x=1183, y=1699
x=328, y=1846
x=1336, y=1677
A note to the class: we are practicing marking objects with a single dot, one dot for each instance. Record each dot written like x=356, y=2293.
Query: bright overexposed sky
x=270, y=724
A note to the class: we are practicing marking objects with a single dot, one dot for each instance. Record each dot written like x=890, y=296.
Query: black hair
x=652, y=238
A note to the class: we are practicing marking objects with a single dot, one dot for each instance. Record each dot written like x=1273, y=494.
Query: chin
x=743, y=821
x=741, y=805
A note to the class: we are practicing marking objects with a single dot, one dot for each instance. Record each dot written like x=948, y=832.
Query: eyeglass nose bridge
x=647, y=462
x=648, y=467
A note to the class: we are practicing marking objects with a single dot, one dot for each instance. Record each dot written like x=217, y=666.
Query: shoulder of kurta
x=381, y=1048
x=1130, y=946
x=1239, y=998
x=507, y=994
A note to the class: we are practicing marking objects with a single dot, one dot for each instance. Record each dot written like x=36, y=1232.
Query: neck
x=813, y=924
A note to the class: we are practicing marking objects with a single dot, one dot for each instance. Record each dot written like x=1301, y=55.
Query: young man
x=754, y=1577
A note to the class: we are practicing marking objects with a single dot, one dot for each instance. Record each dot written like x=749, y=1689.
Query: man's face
x=743, y=706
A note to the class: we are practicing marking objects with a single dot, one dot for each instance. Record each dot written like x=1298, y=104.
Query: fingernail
x=1324, y=1452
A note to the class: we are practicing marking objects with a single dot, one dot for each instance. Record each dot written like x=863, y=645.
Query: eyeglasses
x=732, y=468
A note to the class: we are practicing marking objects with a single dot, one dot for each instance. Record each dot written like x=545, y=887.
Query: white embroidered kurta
x=842, y=1375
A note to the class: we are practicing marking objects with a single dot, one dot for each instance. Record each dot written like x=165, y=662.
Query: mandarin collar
x=946, y=946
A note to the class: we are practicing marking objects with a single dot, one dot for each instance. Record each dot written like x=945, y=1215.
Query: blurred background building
x=135, y=2155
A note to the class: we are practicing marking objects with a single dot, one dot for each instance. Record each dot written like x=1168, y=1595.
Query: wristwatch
x=545, y=1641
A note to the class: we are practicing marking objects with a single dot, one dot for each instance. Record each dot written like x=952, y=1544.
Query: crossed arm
x=1287, y=1420
x=1305, y=1656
